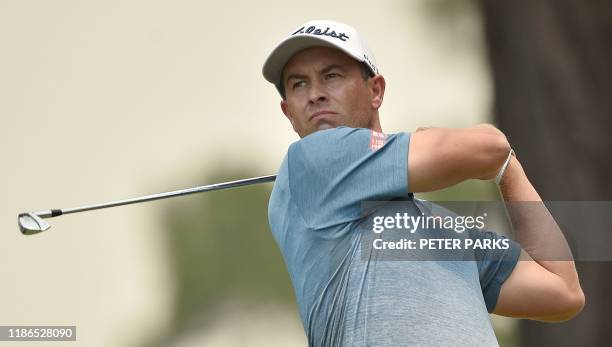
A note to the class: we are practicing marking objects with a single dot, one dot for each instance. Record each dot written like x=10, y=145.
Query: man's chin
x=325, y=126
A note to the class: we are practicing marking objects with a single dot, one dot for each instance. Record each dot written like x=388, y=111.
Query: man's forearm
x=534, y=227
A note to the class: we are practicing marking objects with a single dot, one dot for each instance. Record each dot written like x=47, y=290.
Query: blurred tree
x=221, y=251
x=552, y=69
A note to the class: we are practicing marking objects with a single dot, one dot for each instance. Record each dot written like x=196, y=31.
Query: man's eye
x=299, y=84
x=331, y=75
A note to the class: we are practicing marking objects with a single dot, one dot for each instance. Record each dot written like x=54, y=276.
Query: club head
x=30, y=224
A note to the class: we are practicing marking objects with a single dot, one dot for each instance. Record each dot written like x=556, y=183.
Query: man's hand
x=441, y=157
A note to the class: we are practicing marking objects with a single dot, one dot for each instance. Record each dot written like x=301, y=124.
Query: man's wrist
x=501, y=172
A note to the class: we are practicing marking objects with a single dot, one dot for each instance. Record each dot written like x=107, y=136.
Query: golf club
x=32, y=222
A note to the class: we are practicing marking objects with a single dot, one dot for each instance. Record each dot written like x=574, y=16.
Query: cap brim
x=276, y=61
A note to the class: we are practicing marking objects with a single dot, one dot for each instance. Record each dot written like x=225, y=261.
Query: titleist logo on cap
x=313, y=30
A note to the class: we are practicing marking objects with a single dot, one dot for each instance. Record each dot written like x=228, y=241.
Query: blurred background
x=103, y=100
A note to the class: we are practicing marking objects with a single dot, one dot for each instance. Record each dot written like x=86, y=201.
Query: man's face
x=324, y=88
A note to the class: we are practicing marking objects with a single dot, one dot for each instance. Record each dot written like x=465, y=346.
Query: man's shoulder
x=332, y=134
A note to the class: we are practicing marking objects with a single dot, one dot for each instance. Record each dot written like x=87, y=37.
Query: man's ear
x=377, y=87
x=285, y=108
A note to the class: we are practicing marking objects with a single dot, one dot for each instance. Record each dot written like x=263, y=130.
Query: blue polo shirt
x=348, y=298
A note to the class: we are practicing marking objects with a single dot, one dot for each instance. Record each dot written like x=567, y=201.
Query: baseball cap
x=313, y=33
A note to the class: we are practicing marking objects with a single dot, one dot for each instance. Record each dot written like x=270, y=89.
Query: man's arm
x=544, y=284
x=439, y=157
x=542, y=289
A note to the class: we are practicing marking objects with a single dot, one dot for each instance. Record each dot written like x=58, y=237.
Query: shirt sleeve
x=494, y=265
x=332, y=171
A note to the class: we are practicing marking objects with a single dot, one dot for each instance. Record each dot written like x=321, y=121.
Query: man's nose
x=317, y=92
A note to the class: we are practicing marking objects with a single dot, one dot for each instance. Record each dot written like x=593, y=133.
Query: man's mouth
x=320, y=114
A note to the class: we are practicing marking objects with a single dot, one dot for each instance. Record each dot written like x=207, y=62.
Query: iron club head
x=30, y=223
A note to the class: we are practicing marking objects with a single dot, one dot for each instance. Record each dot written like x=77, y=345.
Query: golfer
x=331, y=92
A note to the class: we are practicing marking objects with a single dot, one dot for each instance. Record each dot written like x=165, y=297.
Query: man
x=331, y=91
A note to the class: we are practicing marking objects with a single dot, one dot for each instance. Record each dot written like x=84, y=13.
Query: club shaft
x=159, y=196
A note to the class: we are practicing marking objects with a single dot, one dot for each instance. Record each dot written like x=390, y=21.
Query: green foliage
x=222, y=250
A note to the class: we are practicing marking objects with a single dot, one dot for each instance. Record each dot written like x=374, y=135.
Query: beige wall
x=101, y=100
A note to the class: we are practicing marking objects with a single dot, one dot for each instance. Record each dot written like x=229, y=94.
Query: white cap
x=317, y=33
